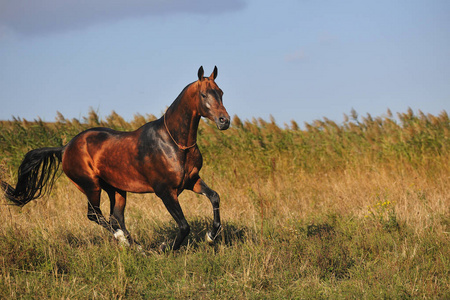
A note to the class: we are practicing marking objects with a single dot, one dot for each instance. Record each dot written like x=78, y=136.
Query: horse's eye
x=203, y=95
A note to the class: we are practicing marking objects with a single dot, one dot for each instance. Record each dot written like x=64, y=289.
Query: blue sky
x=294, y=59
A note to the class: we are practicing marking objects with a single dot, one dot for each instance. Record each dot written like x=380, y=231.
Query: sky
x=298, y=60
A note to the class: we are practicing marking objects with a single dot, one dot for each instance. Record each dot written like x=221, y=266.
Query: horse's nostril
x=223, y=123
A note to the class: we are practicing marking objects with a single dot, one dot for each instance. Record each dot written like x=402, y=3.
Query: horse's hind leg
x=118, y=199
x=92, y=190
x=94, y=212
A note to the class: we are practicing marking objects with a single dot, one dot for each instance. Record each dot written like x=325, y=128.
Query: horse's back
x=91, y=141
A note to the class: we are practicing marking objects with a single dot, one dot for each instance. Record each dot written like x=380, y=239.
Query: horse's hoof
x=209, y=238
x=120, y=236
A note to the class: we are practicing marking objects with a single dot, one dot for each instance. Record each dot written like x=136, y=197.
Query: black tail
x=37, y=174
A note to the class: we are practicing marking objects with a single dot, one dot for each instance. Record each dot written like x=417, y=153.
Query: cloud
x=51, y=16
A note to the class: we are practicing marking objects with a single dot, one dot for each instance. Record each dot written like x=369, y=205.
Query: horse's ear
x=214, y=73
x=200, y=73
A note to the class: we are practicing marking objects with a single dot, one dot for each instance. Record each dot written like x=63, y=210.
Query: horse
x=161, y=157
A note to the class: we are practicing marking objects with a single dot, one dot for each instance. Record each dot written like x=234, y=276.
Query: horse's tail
x=37, y=173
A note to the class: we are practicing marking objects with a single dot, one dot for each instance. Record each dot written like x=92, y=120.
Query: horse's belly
x=130, y=185
x=125, y=178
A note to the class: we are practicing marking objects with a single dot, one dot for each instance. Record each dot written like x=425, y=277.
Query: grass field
x=327, y=211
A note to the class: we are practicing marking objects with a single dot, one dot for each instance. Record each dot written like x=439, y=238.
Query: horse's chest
x=170, y=168
x=188, y=168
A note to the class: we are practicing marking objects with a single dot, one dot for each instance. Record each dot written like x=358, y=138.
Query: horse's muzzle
x=223, y=122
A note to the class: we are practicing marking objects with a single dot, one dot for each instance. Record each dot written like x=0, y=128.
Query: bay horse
x=161, y=157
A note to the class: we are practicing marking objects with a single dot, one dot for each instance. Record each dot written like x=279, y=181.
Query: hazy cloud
x=49, y=16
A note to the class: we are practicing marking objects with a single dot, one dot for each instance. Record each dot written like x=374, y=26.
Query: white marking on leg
x=209, y=238
x=120, y=236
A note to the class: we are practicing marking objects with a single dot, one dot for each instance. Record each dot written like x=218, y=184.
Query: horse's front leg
x=200, y=187
x=170, y=200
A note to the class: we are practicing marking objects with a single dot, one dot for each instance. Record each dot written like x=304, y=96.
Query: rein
x=179, y=146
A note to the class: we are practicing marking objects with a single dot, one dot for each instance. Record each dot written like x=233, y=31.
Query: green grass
x=354, y=210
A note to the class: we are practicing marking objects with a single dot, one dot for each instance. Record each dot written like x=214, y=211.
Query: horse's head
x=210, y=100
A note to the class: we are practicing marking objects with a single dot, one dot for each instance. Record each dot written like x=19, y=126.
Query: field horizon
x=321, y=211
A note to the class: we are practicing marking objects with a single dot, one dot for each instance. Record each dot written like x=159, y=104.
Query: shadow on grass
x=165, y=232
x=229, y=235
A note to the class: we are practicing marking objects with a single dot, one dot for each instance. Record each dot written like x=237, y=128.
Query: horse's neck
x=182, y=121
